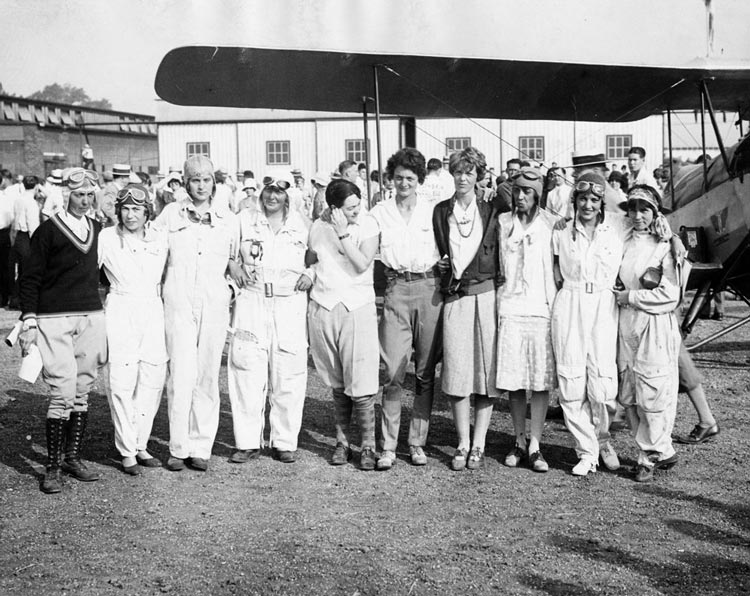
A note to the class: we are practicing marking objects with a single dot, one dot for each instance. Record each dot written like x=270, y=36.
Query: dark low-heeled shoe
x=148, y=462
x=700, y=434
x=134, y=470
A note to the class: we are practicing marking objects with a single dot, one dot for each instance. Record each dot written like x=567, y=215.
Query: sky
x=112, y=48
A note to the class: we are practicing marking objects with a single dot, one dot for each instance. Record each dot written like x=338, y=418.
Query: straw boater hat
x=55, y=177
x=120, y=169
x=588, y=160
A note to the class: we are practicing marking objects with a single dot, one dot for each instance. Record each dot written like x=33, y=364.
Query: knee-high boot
x=73, y=464
x=52, y=483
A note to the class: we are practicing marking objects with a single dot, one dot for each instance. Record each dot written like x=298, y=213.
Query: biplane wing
x=441, y=86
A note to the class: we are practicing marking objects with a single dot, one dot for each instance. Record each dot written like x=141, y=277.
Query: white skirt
x=524, y=354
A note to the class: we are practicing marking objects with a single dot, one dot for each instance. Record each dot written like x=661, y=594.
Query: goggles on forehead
x=132, y=196
x=271, y=181
x=77, y=177
x=585, y=186
x=527, y=174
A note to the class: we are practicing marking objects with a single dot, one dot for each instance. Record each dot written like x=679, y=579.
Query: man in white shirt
x=6, y=221
x=558, y=199
x=637, y=166
x=413, y=304
x=53, y=201
x=25, y=223
x=225, y=188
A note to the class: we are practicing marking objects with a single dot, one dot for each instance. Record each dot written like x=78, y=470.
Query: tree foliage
x=69, y=94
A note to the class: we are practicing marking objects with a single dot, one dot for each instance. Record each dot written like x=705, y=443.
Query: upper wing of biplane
x=431, y=86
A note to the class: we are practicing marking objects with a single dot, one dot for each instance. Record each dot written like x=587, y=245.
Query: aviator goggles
x=528, y=175
x=133, y=195
x=278, y=183
x=78, y=177
x=585, y=186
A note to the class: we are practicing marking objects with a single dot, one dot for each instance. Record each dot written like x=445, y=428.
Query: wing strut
x=704, y=94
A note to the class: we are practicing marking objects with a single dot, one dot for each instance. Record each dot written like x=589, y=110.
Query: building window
x=531, y=148
x=277, y=153
x=453, y=144
x=355, y=149
x=203, y=149
x=618, y=145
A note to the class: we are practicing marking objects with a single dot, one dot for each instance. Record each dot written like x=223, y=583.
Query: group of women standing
x=530, y=303
x=533, y=303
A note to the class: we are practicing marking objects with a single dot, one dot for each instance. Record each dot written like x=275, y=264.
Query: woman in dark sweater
x=62, y=315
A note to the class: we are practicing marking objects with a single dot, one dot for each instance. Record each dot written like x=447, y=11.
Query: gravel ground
x=309, y=528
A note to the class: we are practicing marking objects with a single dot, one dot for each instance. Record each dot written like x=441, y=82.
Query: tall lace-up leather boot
x=73, y=464
x=52, y=483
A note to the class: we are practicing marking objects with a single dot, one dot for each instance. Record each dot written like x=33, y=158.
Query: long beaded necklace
x=465, y=221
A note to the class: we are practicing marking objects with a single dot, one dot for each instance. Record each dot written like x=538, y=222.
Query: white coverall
x=584, y=328
x=268, y=350
x=196, y=311
x=134, y=315
x=649, y=344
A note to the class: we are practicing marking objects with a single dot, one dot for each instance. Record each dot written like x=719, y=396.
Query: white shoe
x=386, y=460
x=609, y=457
x=584, y=466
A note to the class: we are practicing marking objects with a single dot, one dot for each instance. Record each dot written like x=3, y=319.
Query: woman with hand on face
x=587, y=253
x=467, y=238
x=268, y=350
x=132, y=256
x=342, y=320
x=525, y=361
x=649, y=335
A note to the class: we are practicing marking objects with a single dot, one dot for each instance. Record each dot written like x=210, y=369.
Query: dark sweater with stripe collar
x=61, y=274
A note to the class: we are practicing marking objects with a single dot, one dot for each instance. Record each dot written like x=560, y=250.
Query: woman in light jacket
x=649, y=335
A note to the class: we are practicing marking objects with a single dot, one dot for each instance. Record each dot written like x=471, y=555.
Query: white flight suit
x=649, y=344
x=134, y=315
x=584, y=328
x=196, y=311
x=268, y=350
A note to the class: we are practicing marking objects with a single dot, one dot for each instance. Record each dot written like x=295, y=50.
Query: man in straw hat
x=106, y=197
x=62, y=315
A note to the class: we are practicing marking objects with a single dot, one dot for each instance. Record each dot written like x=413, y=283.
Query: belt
x=410, y=275
x=589, y=287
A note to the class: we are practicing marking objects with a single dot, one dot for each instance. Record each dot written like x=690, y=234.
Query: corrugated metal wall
x=252, y=145
x=320, y=144
x=484, y=134
x=332, y=137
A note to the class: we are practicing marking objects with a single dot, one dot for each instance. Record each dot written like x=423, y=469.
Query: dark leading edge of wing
x=439, y=87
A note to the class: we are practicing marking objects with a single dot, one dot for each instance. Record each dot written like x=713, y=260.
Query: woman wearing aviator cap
x=649, y=338
x=525, y=361
x=587, y=255
x=132, y=256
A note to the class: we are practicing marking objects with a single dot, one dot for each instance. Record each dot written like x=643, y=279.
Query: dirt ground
x=309, y=528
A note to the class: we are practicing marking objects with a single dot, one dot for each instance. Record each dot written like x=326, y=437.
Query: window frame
x=612, y=151
x=450, y=144
x=273, y=151
x=352, y=154
x=190, y=154
x=533, y=153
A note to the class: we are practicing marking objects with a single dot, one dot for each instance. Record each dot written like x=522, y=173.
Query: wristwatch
x=28, y=324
